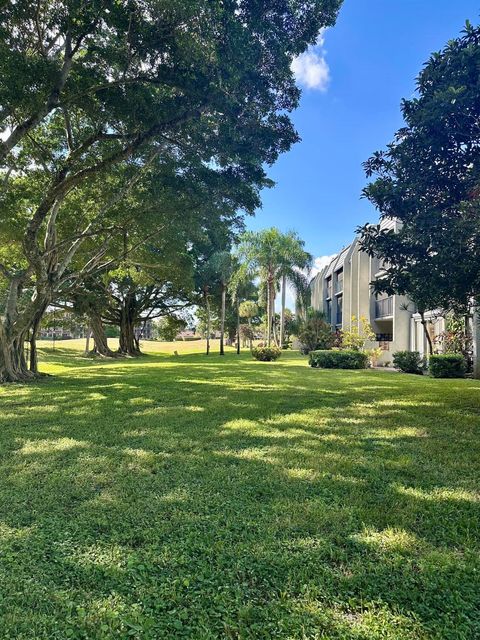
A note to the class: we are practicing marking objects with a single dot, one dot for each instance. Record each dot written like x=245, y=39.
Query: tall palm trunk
x=207, y=310
x=238, y=325
x=282, y=313
x=272, y=312
x=222, y=320
x=269, y=313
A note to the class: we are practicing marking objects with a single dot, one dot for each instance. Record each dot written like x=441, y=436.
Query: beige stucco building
x=342, y=291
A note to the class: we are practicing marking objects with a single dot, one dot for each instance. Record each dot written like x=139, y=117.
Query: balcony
x=384, y=308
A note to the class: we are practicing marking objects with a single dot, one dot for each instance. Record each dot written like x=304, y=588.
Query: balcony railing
x=384, y=308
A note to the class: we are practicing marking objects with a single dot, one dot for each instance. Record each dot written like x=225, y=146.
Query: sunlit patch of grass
x=34, y=447
x=180, y=496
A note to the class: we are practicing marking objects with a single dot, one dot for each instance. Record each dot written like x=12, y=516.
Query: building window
x=339, y=309
x=329, y=311
x=384, y=337
x=339, y=282
x=329, y=287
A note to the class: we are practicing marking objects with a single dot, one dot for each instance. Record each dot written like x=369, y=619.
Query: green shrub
x=266, y=354
x=315, y=333
x=338, y=359
x=408, y=362
x=448, y=365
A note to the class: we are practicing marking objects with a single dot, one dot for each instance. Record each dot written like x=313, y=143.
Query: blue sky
x=363, y=68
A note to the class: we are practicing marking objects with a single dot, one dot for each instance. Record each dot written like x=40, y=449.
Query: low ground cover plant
x=266, y=354
x=338, y=359
x=447, y=365
x=408, y=362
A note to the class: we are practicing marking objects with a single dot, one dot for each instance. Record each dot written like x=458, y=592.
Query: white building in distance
x=342, y=290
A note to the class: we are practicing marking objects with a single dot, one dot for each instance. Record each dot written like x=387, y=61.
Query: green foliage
x=455, y=339
x=276, y=258
x=169, y=327
x=428, y=179
x=338, y=359
x=266, y=354
x=314, y=333
x=105, y=103
x=358, y=335
x=447, y=365
x=248, y=309
x=409, y=362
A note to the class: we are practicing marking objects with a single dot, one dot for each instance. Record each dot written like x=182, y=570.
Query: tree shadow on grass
x=231, y=499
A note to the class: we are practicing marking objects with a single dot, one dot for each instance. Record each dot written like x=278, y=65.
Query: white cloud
x=321, y=262
x=310, y=68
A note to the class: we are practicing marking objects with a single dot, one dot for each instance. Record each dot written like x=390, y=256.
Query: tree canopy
x=428, y=179
x=93, y=93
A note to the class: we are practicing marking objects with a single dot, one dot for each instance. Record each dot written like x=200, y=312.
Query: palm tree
x=275, y=257
x=223, y=266
x=241, y=288
x=248, y=309
x=261, y=252
x=295, y=261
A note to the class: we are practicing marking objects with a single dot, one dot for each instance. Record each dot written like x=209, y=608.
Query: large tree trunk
x=13, y=335
x=13, y=362
x=129, y=345
x=282, y=313
x=222, y=321
x=99, y=336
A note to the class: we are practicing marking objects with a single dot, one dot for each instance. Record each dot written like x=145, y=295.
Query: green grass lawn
x=186, y=497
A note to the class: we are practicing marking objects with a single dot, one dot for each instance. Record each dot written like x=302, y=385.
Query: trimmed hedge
x=266, y=354
x=338, y=359
x=408, y=362
x=448, y=365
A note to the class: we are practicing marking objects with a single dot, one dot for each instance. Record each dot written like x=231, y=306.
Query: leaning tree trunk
x=282, y=313
x=426, y=332
x=222, y=321
x=99, y=336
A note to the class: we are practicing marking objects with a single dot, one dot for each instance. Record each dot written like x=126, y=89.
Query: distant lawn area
x=180, y=496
